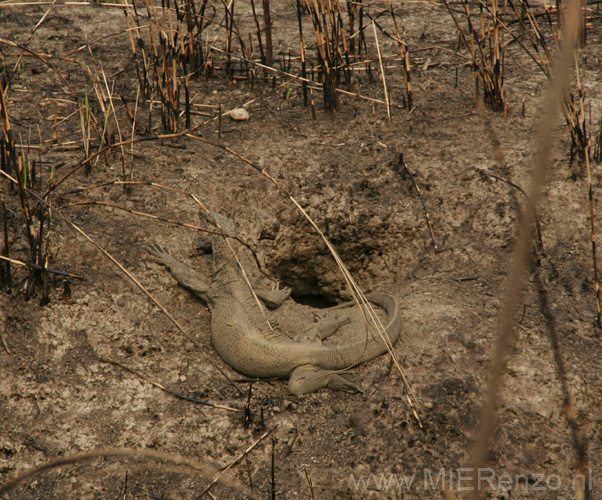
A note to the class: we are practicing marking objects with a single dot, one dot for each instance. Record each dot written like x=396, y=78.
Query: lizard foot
x=182, y=273
x=273, y=298
x=157, y=253
x=309, y=378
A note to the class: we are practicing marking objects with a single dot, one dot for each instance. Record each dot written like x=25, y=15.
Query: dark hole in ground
x=314, y=300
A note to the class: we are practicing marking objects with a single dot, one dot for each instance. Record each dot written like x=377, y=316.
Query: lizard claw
x=338, y=383
x=157, y=252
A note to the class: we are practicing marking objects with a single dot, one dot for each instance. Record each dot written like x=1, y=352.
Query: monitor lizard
x=244, y=340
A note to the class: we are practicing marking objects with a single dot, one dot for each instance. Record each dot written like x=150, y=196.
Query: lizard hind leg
x=309, y=378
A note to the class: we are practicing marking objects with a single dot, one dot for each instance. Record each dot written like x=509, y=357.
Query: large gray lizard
x=245, y=341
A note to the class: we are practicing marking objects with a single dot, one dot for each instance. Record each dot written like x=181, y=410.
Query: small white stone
x=239, y=114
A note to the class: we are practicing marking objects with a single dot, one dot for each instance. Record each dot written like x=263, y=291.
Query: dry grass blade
x=5, y=273
x=45, y=58
x=382, y=71
x=372, y=320
x=310, y=484
x=41, y=268
x=197, y=466
x=303, y=58
x=105, y=135
x=519, y=256
x=273, y=469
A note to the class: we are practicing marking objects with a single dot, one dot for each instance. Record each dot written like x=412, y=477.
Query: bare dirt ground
x=59, y=396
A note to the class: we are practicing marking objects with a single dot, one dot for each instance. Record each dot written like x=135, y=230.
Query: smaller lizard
x=242, y=338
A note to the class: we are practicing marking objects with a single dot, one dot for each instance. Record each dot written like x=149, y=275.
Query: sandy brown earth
x=59, y=395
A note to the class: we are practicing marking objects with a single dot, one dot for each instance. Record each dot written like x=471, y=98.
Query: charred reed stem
x=267, y=22
x=21, y=181
x=247, y=409
x=5, y=272
x=405, y=57
x=259, y=40
x=302, y=46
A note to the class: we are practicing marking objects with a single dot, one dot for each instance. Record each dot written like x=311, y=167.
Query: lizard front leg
x=188, y=278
